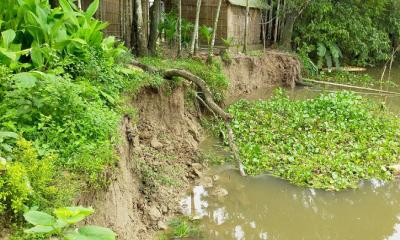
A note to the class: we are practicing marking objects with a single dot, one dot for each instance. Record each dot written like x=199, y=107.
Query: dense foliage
x=350, y=31
x=60, y=85
x=329, y=142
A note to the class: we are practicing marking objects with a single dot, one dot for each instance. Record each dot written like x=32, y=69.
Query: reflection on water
x=265, y=207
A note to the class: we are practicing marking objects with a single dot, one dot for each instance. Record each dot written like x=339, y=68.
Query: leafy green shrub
x=27, y=180
x=206, y=33
x=357, y=28
x=60, y=90
x=181, y=228
x=329, y=142
x=168, y=26
x=62, y=226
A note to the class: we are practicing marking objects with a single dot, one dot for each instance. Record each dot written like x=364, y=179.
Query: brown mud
x=159, y=154
x=248, y=74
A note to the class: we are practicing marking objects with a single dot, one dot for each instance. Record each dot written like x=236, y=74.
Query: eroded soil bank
x=159, y=154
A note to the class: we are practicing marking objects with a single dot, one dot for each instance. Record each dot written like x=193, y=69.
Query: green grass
x=211, y=74
x=181, y=228
x=330, y=142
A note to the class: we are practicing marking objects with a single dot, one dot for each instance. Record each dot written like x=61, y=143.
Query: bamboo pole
x=196, y=28
x=179, y=28
x=349, y=86
x=270, y=21
x=277, y=22
x=246, y=26
x=214, y=34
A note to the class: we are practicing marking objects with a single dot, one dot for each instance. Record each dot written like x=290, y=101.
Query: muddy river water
x=265, y=207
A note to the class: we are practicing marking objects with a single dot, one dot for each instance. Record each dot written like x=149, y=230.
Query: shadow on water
x=265, y=207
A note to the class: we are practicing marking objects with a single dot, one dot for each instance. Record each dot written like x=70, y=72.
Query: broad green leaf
x=39, y=218
x=8, y=135
x=7, y=37
x=25, y=80
x=321, y=49
x=40, y=229
x=72, y=215
x=9, y=54
x=37, y=57
x=92, y=9
x=65, y=5
x=6, y=147
x=92, y=233
x=99, y=233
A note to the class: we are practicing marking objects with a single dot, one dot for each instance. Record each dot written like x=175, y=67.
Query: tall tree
x=145, y=12
x=211, y=51
x=141, y=43
x=179, y=5
x=270, y=20
x=277, y=21
x=293, y=10
x=246, y=26
x=195, y=34
x=154, y=23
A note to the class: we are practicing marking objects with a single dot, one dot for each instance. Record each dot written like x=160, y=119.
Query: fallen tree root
x=208, y=102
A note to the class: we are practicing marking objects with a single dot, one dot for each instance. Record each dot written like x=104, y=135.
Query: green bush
x=330, y=142
x=26, y=181
x=358, y=30
x=60, y=91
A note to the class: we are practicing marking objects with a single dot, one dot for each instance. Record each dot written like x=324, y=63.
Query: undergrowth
x=181, y=228
x=61, y=101
x=330, y=142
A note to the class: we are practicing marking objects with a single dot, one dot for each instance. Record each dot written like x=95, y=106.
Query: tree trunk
x=79, y=4
x=283, y=19
x=277, y=21
x=141, y=43
x=270, y=21
x=179, y=3
x=145, y=12
x=287, y=31
x=246, y=25
x=211, y=52
x=196, y=29
x=264, y=16
x=155, y=22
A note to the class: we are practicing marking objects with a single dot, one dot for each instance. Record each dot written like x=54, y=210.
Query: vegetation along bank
x=84, y=122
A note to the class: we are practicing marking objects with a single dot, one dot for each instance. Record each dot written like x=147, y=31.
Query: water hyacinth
x=330, y=142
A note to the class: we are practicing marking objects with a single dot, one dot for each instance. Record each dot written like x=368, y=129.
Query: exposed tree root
x=208, y=101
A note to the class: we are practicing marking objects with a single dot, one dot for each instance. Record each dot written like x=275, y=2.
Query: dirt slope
x=247, y=74
x=159, y=154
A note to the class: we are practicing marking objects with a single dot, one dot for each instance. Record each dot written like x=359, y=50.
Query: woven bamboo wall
x=207, y=16
x=236, y=19
x=110, y=11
